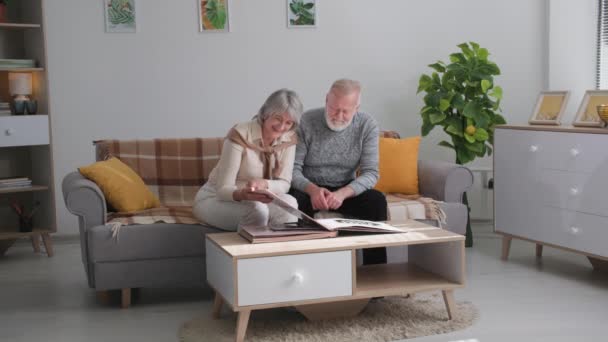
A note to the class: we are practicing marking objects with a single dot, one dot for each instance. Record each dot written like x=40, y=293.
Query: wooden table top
x=416, y=233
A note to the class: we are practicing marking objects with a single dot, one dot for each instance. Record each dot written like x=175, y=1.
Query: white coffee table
x=321, y=277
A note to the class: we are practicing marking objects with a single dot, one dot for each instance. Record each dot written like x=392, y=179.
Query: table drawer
x=294, y=277
x=575, y=152
x=24, y=130
x=574, y=230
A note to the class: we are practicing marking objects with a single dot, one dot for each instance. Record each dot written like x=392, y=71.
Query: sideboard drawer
x=575, y=230
x=574, y=191
x=294, y=277
x=24, y=130
x=575, y=152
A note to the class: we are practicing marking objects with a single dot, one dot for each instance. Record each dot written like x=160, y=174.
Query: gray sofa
x=170, y=255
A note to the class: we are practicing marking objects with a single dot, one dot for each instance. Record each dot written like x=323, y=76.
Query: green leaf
x=464, y=155
x=432, y=99
x=437, y=118
x=481, y=119
x=309, y=5
x=496, y=93
x=426, y=109
x=466, y=50
x=216, y=13
x=469, y=138
x=424, y=83
x=458, y=58
x=483, y=54
x=499, y=120
x=436, y=79
x=475, y=147
x=475, y=46
x=444, y=104
x=426, y=129
x=485, y=85
x=446, y=144
x=455, y=130
x=458, y=102
x=471, y=109
x=438, y=67
x=481, y=134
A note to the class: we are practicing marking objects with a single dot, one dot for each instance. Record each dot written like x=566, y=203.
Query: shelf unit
x=25, y=140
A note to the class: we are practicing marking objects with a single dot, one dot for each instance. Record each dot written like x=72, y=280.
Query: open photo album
x=307, y=227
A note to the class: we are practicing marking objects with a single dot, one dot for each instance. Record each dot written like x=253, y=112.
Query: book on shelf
x=306, y=227
x=15, y=182
x=17, y=63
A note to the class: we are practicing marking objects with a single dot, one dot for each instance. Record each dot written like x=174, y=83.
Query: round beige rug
x=387, y=319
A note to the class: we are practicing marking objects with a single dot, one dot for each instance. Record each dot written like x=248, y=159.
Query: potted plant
x=463, y=100
x=3, y=4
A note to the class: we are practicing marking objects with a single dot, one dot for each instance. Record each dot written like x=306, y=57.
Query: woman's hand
x=258, y=184
x=250, y=194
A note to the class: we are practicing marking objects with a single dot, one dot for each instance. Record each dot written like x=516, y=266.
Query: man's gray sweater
x=328, y=158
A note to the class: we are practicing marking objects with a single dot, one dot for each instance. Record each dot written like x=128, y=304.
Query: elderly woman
x=258, y=154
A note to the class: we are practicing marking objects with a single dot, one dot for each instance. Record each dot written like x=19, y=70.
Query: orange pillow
x=121, y=186
x=399, y=165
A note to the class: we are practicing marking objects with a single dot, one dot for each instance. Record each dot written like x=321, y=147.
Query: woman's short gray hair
x=279, y=102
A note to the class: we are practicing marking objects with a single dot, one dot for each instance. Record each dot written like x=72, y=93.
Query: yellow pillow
x=399, y=165
x=122, y=187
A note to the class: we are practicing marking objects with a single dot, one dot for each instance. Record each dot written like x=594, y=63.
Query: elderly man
x=334, y=144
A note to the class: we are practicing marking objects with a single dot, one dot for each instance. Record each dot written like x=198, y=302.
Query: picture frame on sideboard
x=549, y=108
x=587, y=115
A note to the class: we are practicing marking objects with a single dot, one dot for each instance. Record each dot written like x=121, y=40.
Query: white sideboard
x=551, y=188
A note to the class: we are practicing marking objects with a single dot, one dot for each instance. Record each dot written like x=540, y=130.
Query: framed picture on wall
x=301, y=13
x=213, y=16
x=587, y=116
x=120, y=16
x=549, y=107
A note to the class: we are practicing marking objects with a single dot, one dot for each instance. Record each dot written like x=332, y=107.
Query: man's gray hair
x=279, y=102
x=344, y=87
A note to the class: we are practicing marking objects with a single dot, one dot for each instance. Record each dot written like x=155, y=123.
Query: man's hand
x=335, y=199
x=250, y=194
x=258, y=184
x=318, y=197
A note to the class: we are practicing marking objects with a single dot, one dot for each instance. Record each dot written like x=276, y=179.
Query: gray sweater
x=328, y=158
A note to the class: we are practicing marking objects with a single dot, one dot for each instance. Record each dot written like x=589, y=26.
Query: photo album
x=306, y=227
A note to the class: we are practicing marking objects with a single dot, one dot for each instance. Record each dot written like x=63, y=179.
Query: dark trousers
x=369, y=205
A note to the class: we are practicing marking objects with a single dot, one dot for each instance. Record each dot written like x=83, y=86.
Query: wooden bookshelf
x=23, y=189
x=19, y=26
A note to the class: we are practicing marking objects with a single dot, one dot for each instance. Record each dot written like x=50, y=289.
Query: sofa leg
x=103, y=297
x=126, y=298
x=506, y=246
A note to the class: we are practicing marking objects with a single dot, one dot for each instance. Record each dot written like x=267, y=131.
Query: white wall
x=169, y=80
x=572, y=49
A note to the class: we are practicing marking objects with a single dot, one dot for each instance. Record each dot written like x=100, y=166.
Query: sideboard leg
x=539, y=250
x=241, y=325
x=506, y=246
x=217, y=306
x=598, y=264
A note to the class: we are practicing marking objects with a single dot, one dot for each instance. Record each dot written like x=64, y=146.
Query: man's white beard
x=334, y=127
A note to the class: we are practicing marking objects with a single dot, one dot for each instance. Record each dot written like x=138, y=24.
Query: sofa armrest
x=84, y=199
x=443, y=181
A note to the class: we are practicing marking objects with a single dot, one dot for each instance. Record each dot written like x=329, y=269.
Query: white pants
x=228, y=215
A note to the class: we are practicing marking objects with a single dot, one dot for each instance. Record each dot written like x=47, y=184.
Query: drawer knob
x=298, y=278
x=533, y=148
x=9, y=131
x=574, y=152
x=574, y=191
x=575, y=230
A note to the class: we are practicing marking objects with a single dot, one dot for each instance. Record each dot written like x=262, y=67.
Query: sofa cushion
x=398, y=166
x=121, y=186
x=149, y=241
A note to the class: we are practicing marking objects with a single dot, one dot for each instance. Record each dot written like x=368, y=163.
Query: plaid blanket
x=173, y=169
x=415, y=207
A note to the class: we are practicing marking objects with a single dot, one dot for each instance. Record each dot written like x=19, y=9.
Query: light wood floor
x=556, y=298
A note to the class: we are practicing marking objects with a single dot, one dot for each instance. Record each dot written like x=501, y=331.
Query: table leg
x=448, y=298
x=241, y=325
x=217, y=306
x=539, y=250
